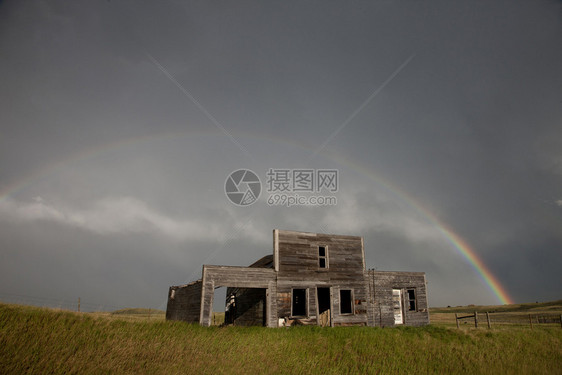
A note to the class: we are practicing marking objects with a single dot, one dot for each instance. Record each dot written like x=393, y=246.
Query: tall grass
x=34, y=340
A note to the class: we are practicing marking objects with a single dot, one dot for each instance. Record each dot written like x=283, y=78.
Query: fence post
x=78, y=304
x=560, y=320
x=530, y=321
x=457, y=320
x=488, y=319
x=475, y=319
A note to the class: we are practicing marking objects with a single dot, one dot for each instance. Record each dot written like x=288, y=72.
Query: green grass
x=36, y=340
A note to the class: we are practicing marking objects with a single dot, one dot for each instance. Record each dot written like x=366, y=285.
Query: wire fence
x=491, y=319
x=64, y=304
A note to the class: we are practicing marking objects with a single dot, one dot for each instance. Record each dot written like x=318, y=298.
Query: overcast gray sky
x=121, y=120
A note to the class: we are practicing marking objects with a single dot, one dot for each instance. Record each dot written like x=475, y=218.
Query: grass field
x=501, y=316
x=547, y=307
x=38, y=340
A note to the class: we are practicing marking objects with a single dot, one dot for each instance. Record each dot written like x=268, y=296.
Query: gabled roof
x=265, y=262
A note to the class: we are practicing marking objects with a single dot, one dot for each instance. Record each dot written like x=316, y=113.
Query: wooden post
x=457, y=319
x=560, y=320
x=488, y=319
x=78, y=304
x=149, y=313
x=530, y=321
x=475, y=319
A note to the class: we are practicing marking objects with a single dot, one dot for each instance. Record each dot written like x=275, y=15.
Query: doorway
x=397, y=306
x=324, y=307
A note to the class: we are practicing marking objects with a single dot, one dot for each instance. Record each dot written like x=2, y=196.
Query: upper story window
x=322, y=257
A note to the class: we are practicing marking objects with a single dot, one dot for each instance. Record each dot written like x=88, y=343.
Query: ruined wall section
x=184, y=302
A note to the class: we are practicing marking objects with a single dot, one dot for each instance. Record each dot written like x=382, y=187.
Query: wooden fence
x=499, y=318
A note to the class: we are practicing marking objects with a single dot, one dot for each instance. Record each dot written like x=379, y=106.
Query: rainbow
x=470, y=255
x=458, y=243
x=53, y=165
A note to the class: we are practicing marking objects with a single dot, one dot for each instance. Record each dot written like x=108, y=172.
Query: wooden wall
x=381, y=285
x=297, y=262
x=239, y=277
x=184, y=302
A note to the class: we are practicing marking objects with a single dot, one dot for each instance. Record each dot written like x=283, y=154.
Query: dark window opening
x=299, y=302
x=411, y=300
x=346, y=302
x=322, y=257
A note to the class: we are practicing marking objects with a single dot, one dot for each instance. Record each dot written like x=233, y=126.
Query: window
x=346, y=301
x=322, y=257
x=411, y=300
x=299, y=305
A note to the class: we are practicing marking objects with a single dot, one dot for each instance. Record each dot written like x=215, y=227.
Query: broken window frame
x=305, y=303
x=323, y=258
x=351, y=302
x=412, y=300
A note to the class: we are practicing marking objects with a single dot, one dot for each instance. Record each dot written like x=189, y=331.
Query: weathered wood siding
x=184, y=302
x=298, y=264
x=382, y=283
x=239, y=277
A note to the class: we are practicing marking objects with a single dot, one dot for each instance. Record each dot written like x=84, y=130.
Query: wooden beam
x=276, y=249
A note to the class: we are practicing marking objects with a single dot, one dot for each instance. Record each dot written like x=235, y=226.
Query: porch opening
x=217, y=317
x=245, y=306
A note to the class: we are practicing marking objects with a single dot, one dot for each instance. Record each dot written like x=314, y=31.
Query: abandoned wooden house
x=310, y=278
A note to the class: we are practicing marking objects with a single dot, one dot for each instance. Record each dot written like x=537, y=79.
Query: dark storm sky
x=121, y=120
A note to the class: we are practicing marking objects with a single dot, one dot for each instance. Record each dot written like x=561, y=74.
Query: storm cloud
x=120, y=122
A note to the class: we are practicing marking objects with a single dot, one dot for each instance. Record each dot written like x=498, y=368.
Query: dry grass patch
x=34, y=340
